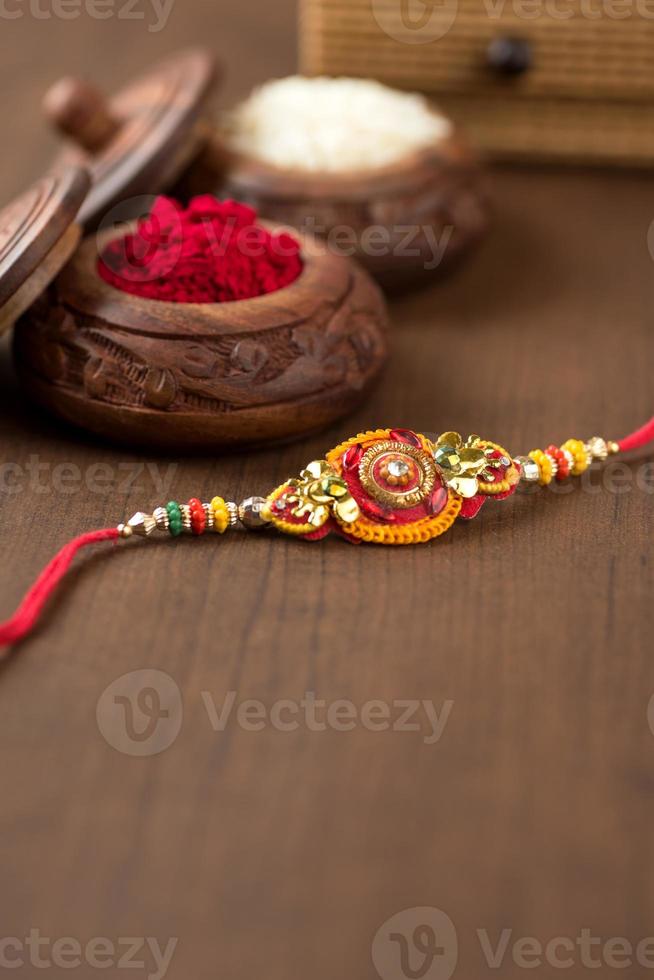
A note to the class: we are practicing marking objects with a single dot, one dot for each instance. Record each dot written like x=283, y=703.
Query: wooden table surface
x=279, y=854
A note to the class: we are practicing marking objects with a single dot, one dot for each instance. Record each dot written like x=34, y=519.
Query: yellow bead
x=577, y=450
x=220, y=515
x=544, y=464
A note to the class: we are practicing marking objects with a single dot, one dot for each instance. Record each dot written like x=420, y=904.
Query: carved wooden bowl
x=405, y=223
x=201, y=376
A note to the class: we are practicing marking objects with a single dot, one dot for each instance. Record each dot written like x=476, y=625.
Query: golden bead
x=185, y=511
x=161, y=517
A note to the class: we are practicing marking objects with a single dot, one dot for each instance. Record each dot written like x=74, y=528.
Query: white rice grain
x=332, y=124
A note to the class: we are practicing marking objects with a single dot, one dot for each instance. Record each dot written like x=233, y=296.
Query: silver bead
x=161, y=517
x=232, y=510
x=598, y=448
x=249, y=513
x=529, y=470
x=208, y=513
x=142, y=524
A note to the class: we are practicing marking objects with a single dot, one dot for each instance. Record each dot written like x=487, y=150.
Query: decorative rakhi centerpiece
x=392, y=486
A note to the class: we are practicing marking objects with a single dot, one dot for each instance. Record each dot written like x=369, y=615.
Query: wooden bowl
x=202, y=376
x=405, y=223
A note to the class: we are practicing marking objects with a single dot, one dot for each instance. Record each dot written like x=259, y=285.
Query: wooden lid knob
x=81, y=112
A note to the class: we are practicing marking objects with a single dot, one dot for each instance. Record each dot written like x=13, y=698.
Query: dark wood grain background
x=279, y=854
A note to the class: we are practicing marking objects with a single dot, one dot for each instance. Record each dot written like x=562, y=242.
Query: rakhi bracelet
x=388, y=486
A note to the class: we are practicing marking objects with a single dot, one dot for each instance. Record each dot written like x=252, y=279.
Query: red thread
x=641, y=437
x=27, y=615
x=211, y=252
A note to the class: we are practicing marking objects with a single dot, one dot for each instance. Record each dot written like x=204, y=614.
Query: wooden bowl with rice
x=375, y=173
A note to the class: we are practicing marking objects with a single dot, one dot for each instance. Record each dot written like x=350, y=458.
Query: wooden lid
x=139, y=141
x=37, y=237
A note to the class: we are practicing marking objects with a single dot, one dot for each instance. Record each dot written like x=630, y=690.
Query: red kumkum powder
x=210, y=252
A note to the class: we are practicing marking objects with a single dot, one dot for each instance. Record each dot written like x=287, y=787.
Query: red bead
x=437, y=500
x=198, y=516
x=563, y=466
x=352, y=457
x=406, y=436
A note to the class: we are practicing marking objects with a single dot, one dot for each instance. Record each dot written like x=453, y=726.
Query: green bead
x=174, y=518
